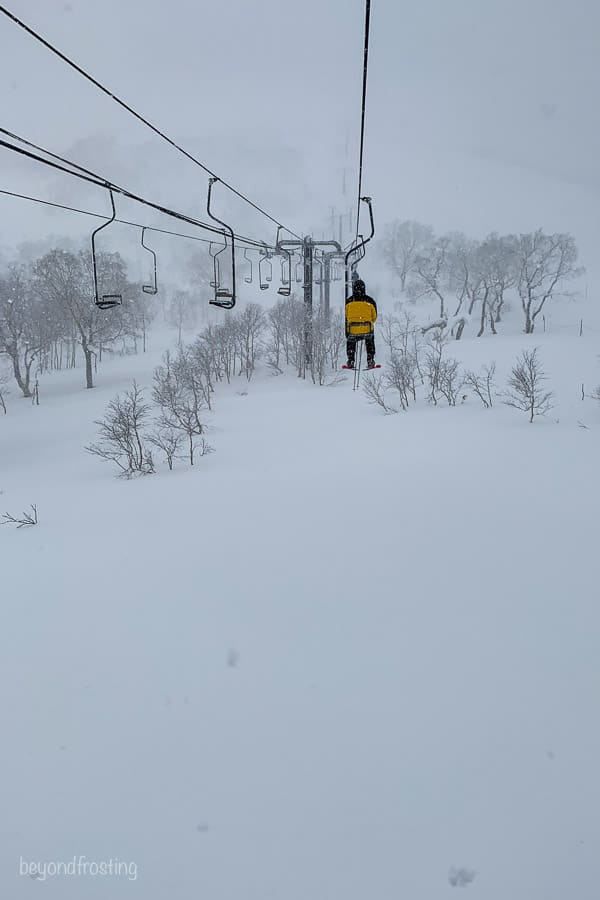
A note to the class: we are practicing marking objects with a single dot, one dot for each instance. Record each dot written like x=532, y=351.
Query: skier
x=361, y=313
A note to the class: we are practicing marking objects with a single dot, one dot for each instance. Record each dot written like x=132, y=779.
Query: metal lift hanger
x=104, y=301
x=225, y=299
x=357, y=249
x=286, y=279
x=216, y=282
x=150, y=288
x=265, y=259
x=248, y=278
x=286, y=264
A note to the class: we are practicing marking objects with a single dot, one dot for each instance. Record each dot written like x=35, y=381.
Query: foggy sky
x=482, y=114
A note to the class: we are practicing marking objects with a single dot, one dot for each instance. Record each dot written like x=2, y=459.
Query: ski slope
x=346, y=656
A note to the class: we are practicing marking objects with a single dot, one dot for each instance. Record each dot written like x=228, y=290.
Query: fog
x=481, y=115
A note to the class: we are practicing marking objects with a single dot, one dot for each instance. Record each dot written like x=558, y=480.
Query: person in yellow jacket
x=361, y=314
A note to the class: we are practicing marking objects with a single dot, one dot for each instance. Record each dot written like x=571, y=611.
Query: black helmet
x=358, y=288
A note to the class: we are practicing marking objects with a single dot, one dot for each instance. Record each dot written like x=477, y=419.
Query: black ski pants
x=351, y=342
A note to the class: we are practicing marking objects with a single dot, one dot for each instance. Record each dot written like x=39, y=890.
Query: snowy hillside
x=347, y=655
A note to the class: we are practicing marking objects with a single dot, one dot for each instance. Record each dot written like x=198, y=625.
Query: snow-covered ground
x=345, y=657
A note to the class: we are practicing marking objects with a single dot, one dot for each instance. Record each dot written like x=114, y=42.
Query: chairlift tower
x=307, y=248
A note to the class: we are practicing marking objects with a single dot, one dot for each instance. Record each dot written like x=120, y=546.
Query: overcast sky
x=482, y=114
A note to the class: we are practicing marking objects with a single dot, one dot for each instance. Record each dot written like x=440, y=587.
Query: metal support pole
x=307, y=250
x=307, y=246
x=326, y=284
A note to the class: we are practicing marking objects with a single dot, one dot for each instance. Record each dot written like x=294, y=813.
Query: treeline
x=470, y=280
x=47, y=313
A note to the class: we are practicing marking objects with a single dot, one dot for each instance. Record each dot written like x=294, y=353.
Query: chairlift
x=286, y=278
x=150, y=288
x=265, y=277
x=104, y=301
x=224, y=298
x=248, y=278
x=357, y=249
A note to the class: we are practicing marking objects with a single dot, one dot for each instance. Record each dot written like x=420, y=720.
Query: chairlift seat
x=109, y=300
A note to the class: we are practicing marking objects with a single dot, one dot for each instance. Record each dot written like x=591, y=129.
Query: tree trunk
x=89, y=371
x=22, y=382
x=482, y=323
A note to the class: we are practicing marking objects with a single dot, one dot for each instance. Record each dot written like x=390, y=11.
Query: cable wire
x=86, y=212
x=105, y=90
x=363, y=108
x=97, y=180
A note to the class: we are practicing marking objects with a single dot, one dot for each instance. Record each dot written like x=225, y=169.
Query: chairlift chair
x=286, y=279
x=263, y=280
x=265, y=269
x=104, y=301
x=224, y=298
x=150, y=288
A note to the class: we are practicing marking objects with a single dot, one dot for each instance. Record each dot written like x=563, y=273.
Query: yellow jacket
x=360, y=316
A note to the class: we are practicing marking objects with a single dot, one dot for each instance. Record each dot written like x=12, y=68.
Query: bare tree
x=401, y=374
x=374, y=389
x=526, y=386
x=182, y=312
x=123, y=433
x=431, y=272
x=482, y=384
x=433, y=365
x=167, y=439
x=4, y=378
x=179, y=392
x=22, y=336
x=543, y=261
x=66, y=279
x=402, y=244
x=450, y=380
x=497, y=259
x=23, y=520
x=251, y=323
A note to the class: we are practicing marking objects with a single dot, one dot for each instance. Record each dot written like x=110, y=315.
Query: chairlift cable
x=100, y=86
x=98, y=181
x=363, y=108
x=249, y=242
x=103, y=182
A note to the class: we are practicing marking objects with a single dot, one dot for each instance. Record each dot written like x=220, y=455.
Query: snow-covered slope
x=345, y=655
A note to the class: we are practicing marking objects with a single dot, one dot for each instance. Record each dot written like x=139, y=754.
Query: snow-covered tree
x=543, y=261
x=403, y=242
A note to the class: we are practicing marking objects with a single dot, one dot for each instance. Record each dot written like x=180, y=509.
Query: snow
x=348, y=655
